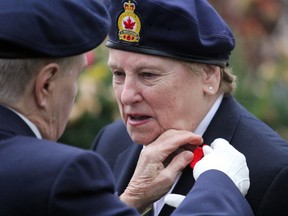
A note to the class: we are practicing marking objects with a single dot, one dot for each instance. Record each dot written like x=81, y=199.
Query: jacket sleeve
x=85, y=186
x=214, y=194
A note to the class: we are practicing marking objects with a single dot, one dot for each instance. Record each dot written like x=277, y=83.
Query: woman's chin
x=144, y=139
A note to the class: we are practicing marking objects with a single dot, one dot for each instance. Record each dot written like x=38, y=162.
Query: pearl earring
x=210, y=88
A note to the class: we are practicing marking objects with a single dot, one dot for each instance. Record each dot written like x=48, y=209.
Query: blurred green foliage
x=260, y=62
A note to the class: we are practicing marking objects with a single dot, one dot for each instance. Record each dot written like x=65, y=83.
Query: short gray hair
x=15, y=74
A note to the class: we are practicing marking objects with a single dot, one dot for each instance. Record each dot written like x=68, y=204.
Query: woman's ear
x=44, y=84
x=212, y=79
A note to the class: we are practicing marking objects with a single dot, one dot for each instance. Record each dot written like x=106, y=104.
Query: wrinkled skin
x=153, y=176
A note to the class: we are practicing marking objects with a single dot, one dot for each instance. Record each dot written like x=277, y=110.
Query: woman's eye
x=148, y=75
x=118, y=74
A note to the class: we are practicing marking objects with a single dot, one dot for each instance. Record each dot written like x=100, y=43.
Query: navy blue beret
x=51, y=28
x=189, y=30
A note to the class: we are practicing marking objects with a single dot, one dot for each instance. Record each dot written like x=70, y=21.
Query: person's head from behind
x=43, y=90
x=42, y=53
x=169, y=61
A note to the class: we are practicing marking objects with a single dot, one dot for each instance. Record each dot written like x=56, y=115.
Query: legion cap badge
x=129, y=24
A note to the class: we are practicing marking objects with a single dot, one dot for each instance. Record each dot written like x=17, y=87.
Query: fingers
x=174, y=200
x=171, y=140
x=220, y=143
x=244, y=185
x=158, y=165
x=179, y=162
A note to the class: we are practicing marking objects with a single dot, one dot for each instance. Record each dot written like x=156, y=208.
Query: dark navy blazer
x=43, y=178
x=266, y=153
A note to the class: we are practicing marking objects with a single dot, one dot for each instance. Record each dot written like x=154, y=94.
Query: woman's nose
x=130, y=92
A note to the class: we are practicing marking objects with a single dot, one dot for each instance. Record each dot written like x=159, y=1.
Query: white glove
x=224, y=157
x=174, y=200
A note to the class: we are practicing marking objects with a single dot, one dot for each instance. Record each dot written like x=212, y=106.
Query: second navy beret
x=51, y=28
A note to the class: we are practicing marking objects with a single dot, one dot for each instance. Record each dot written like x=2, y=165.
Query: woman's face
x=157, y=93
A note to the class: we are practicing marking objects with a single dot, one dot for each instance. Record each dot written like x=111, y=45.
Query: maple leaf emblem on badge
x=129, y=24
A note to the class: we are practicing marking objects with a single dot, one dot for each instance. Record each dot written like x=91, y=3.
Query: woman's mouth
x=136, y=120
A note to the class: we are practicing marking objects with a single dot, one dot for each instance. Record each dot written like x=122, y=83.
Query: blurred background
x=260, y=62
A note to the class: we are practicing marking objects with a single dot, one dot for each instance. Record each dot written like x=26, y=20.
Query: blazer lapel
x=125, y=165
x=224, y=123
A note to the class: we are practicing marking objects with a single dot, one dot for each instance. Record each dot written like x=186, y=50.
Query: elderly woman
x=169, y=61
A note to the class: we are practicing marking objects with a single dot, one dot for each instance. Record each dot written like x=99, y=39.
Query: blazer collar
x=225, y=121
x=11, y=124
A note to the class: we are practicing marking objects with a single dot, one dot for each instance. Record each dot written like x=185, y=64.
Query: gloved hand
x=223, y=157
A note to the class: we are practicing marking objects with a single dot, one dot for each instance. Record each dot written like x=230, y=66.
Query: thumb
x=207, y=150
x=174, y=200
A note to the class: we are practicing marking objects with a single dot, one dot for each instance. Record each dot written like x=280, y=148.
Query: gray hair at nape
x=16, y=74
